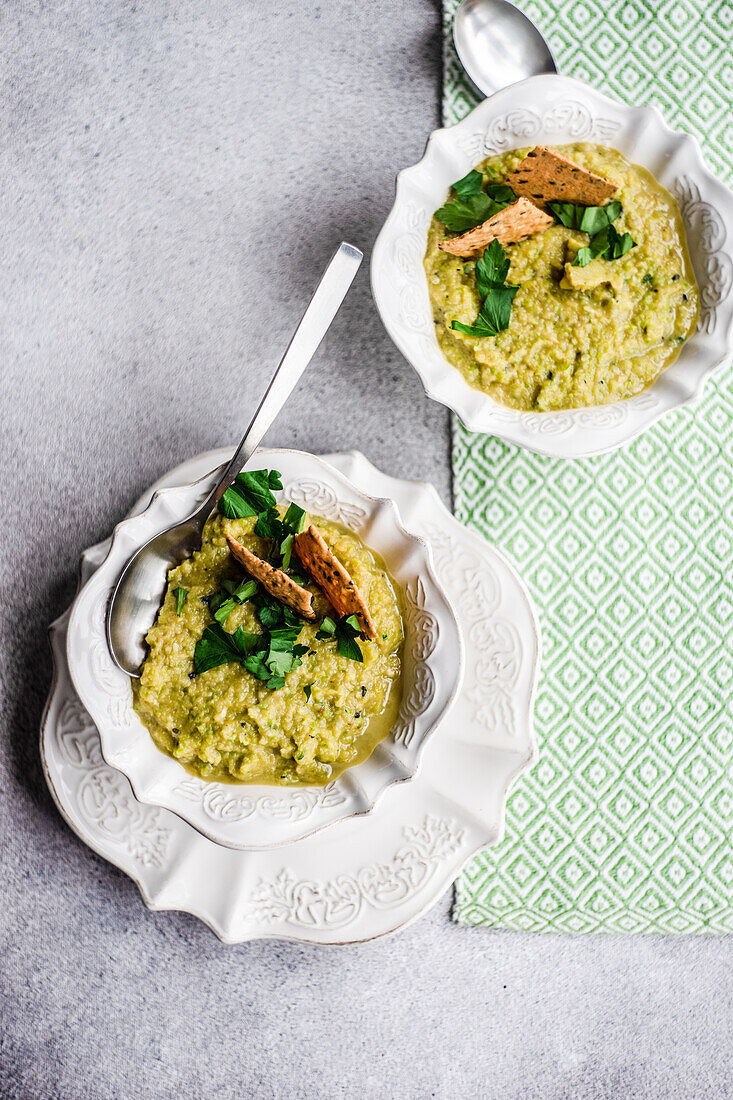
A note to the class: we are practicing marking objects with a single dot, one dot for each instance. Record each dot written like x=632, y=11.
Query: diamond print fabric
x=626, y=822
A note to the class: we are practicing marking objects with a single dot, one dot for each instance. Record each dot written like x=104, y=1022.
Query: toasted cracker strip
x=328, y=572
x=511, y=224
x=544, y=176
x=274, y=581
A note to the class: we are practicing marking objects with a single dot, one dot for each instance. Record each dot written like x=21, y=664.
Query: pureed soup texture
x=593, y=316
x=240, y=688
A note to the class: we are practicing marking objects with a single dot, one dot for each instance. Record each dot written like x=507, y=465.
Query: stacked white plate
x=370, y=852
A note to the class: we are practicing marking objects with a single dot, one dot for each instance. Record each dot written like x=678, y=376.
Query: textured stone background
x=174, y=177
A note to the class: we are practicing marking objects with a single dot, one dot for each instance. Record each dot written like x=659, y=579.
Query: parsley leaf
x=180, y=595
x=345, y=631
x=224, y=609
x=589, y=219
x=269, y=525
x=466, y=213
x=280, y=662
x=327, y=628
x=242, y=591
x=294, y=518
x=618, y=244
x=501, y=193
x=473, y=205
x=286, y=550
x=233, y=505
x=470, y=184
x=216, y=647
x=492, y=267
x=256, y=665
x=221, y=604
x=498, y=296
x=269, y=656
x=250, y=493
x=608, y=244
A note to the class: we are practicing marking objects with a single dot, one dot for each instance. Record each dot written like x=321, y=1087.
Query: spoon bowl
x=499, y=45
x=139, y=591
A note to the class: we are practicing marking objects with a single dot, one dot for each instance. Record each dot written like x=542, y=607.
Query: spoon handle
x=320, y=312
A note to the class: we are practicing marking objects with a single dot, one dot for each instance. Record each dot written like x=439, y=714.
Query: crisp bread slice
x=545, y=176
x=510, y=225
x=274, y=581
x=328, y=572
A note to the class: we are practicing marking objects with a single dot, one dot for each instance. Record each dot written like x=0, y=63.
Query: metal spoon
x=498, y=44
x=139, y=591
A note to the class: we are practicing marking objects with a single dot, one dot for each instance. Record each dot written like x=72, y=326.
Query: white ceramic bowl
x=557, y=110
x=249, y=816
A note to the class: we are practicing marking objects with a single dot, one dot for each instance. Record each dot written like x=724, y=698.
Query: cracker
x=510, y=225
x=544, y=177
x=328, y=572
x=274, y=581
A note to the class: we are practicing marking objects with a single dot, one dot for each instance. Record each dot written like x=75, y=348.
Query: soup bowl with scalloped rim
x=240, y=815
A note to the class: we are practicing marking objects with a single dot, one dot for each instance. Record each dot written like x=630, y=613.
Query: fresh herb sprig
x=345, y=631
x=497, y=295
x=473, y=203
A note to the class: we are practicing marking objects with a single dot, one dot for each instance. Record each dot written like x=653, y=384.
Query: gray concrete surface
x=174, y=176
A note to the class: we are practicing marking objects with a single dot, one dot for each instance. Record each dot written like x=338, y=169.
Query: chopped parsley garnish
x=606, y=242
x=180, y=595
x=497, y=295
x=216, y=647
x=648, y=278
x=280, y=532
x=294, y=518
x=269, y=656
x=222, y=603
x=473, y=204
x=275, y=652
x=250, y=493
x=345, y=631
x=589, y=219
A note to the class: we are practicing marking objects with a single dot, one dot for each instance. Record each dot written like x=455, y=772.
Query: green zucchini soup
x=276, y=656
x=560, y=277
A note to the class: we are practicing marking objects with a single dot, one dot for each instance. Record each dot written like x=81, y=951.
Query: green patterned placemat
x=625, y=824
